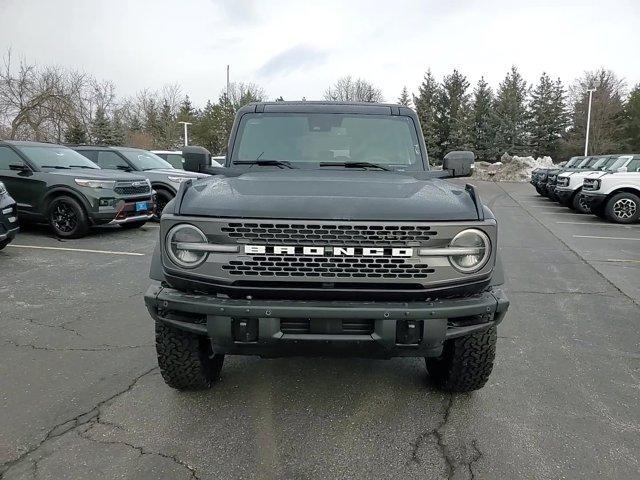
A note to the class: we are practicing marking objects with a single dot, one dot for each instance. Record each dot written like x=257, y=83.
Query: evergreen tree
x=101, y=132
x=76, y=134
x=187, y=112
x=117, y=130
x=135, y=125
x=632, y=120
x=452, y=114
x=483, y=123
x=511, y=111
x=204, y=131
x=425, y=104
x=547, y=116
x=404, y=98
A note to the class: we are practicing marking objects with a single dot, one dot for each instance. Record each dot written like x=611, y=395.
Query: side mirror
x=459, y=163
x=19, y=167
x=196, y=159
x=622, y=169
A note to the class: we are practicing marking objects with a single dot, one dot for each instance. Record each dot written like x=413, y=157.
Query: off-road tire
x=466, y=362
x=4, y=243
x=162, y=198
x=578, y=204
x=72, y=206
x=540, y=191
x=599, y=212
x=132, y=225
x=632, y=205
x=186, y=360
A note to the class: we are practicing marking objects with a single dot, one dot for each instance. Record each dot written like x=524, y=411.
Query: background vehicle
x=175, y=158
x=569, y=183
x=540, y=176
x=164, y=178
x=552, y=177
x=8, y=217
x=615, y=195
x=54, y=184
x=337, y=240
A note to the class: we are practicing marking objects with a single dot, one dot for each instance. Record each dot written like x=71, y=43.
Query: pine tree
x=101, y=132
x=117, y=130
x=135, y=125
x=452, y=114
x=483, y=123
x=547, y=117
x=76, y=134
x=511, y=111
x=187, y=112
x=404, y=98
x=632, y=120
x=425, y=103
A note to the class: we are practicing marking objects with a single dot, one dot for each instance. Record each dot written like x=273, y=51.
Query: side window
x=634, y=165
x=174, y=159
x=111, y=161
x=9, y=157
x=90, y=154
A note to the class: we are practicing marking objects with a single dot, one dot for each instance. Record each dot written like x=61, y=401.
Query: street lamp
x=186, y=133
x=586, y=140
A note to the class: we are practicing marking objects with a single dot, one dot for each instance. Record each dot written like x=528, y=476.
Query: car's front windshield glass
x=144, y=160
x=308, y=139
x=56, y=156
x=598, y=163
x=619, y=162
x=573, y=162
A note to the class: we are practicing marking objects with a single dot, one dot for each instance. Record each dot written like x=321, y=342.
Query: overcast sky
x=298, y=48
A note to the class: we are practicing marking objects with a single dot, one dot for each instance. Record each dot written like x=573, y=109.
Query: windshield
x=56, y=156
x=572, y=162
x=307, y=139
x=144, y=160
x=619, y=162
x=600, y=162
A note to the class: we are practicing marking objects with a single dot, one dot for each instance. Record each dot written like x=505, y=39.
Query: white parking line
x=606, y=238
x=600, y=224
x=78, y=250
x=619, y=260
x=547, y=206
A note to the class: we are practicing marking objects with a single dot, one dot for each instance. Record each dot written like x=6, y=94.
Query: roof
x=24, y=143
x=177, y=152
x=329, y=107
x=102, y=147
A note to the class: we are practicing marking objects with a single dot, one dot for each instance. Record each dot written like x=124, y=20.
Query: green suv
x=57, y=185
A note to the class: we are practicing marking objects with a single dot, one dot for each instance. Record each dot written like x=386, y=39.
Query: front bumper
x=218, y=319
x=125, y=212
x=8, y=222
x=594, y=200
x=564, y=194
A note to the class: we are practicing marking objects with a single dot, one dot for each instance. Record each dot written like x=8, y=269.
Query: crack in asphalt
x=478, y=455
x=62, y=326
x=71, y=424
x=100, y=348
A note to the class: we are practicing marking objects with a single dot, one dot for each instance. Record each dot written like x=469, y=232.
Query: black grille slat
x=295, y=326
x=358, y=327
x=338, y=235
x=131, y=190
x=342, y=267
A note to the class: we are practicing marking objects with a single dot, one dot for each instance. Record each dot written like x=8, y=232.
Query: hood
x=175, y=172
x=97, y=174
x=328, y=195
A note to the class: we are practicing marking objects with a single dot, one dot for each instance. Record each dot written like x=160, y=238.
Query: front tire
x=186, y=360
x=162, y=198
x=67, y=218
x=4, y=243
x=579, y=203
x=466, y=362
x=623, y=207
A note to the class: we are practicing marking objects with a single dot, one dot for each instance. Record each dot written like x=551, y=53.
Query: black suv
x=54, y=184
x=164, y=178
x=328, y=234
x=8, y=217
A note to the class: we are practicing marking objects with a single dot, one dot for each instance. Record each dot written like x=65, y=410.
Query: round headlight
x=476, y=241
x=179, y=239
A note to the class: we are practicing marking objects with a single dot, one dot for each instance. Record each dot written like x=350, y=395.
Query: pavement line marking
x=618, y=260
x=546, y=206
x=559, y=213
x=77, y=250
x=599, y=224
x=606, y=238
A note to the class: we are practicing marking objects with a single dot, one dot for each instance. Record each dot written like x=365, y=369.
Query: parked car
x=615, y=195
x=164, y=178
x=54, y=184
x=569, y=183
x=328, y=234
x=540, y=176
x=552, y=179
x=8, y=217
x=176, y=159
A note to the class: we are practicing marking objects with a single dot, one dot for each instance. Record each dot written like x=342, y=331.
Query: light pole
x=186, y=133
x=586, y=140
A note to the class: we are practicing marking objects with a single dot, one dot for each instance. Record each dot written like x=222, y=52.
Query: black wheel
x=540, y=191
x=67, y=218
x=623, y=207
x=579, y=204
x=599, y=212
x=4, y=243
x=466, y=362
x=186, y=361
x=162, y=198
x=132, y=225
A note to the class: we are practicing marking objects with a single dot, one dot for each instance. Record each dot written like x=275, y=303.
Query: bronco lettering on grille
x=328, y=251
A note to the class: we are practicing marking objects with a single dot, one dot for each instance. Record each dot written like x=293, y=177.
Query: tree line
x=545, y=118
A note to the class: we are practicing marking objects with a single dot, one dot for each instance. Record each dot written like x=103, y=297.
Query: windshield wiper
x=59, y=167
x=83, y=166
x=354, y=165
x=276, y=163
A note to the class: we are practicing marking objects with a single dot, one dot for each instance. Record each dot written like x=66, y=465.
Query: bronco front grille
x=341, y=267
x=304, y=326
x=331, y=234
x=131, y=190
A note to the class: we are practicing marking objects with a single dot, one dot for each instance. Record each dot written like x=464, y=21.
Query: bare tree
x=347, y=89
x=241, y=94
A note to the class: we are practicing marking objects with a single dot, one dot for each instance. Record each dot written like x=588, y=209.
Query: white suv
x=569, y=184
x=615, y=195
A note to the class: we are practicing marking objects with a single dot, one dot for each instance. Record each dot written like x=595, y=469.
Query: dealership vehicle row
x=607, y=186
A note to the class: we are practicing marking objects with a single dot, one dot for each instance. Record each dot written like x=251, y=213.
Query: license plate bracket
x=142, y=206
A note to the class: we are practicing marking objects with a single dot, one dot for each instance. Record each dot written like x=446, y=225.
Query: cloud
x=239, y=11
x=292, y=59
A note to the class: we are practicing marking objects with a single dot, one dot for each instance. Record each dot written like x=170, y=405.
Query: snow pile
x=510, y=169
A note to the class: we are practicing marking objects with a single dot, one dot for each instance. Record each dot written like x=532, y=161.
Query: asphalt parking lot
x=81, y=396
